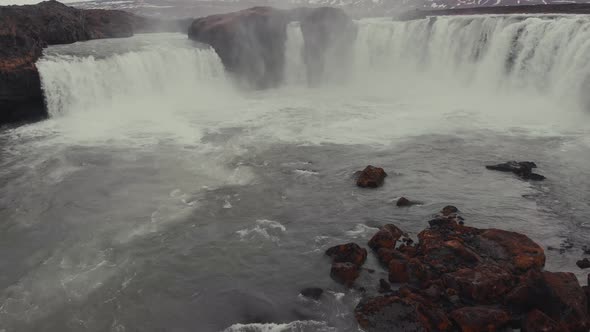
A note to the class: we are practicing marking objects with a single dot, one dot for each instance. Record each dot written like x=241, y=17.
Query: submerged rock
x=371, y=177
x=524, y=169
x=583, y=263
x=312, y=293
x=404, y=202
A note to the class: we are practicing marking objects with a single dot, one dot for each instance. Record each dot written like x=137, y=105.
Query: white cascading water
x=545, y=54
x=81, y=84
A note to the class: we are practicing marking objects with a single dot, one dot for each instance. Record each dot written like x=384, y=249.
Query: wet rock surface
x=347, y=260
x=313, y=293
x=461, y=278
x=523, y=169
x=371, y=177
x=405, y=202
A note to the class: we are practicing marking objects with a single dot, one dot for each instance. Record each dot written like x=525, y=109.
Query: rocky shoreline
x=454, y=277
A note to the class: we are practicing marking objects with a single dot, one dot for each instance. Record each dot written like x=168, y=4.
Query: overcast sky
x=28, y=2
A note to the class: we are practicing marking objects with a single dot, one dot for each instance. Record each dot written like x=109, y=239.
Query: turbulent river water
x=161, y=196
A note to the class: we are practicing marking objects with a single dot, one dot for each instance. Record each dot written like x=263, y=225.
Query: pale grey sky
x=28, y=2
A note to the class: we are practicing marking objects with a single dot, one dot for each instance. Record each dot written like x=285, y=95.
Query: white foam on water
x=296, y=326
x=360, y=230
x=263, y=229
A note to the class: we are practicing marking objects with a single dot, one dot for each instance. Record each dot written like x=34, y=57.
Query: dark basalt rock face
x=26, y=30
x=523, y=169
x=459, y=278
x=251, y=42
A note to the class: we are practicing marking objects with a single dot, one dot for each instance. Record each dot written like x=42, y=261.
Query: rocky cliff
x=26, y=30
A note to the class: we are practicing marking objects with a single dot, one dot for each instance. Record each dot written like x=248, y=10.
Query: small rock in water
x=312, y=293
x=404, y=202
x=583, y=263
x=586, y=250
x=371, y=177
x=524, y=169
x=448, y=210
x=347, y=253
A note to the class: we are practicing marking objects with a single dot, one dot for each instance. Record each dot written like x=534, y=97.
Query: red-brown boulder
x=345, y=273
x=480, y=319
x=398, y=271
x=565, y=301
x=515, y=249
x=386, y=237
x=484, y=284
x=537, y=321
x=371, y=177
x=348, y=253
x=386, y=313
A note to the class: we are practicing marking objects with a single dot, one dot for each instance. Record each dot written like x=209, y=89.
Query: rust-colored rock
x=383, y=313
x=348, y=253
x=386, y=255
x=386, y=237
x=371, y=177
x=485, y=284
x=565, y=301
x=537, y=321
x=515, y=249
x=480, y=319
x=485, y=279
x=398, y=271
x=345, y=273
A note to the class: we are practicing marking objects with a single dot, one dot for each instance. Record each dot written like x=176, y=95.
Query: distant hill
x=358, y=8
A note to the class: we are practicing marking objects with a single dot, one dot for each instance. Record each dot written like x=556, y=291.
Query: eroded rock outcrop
x=26, y=30
x=460, y=278
x=251, y=42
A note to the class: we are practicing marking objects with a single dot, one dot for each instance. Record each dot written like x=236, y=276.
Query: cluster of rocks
x=460, y=278
x=26, y=30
